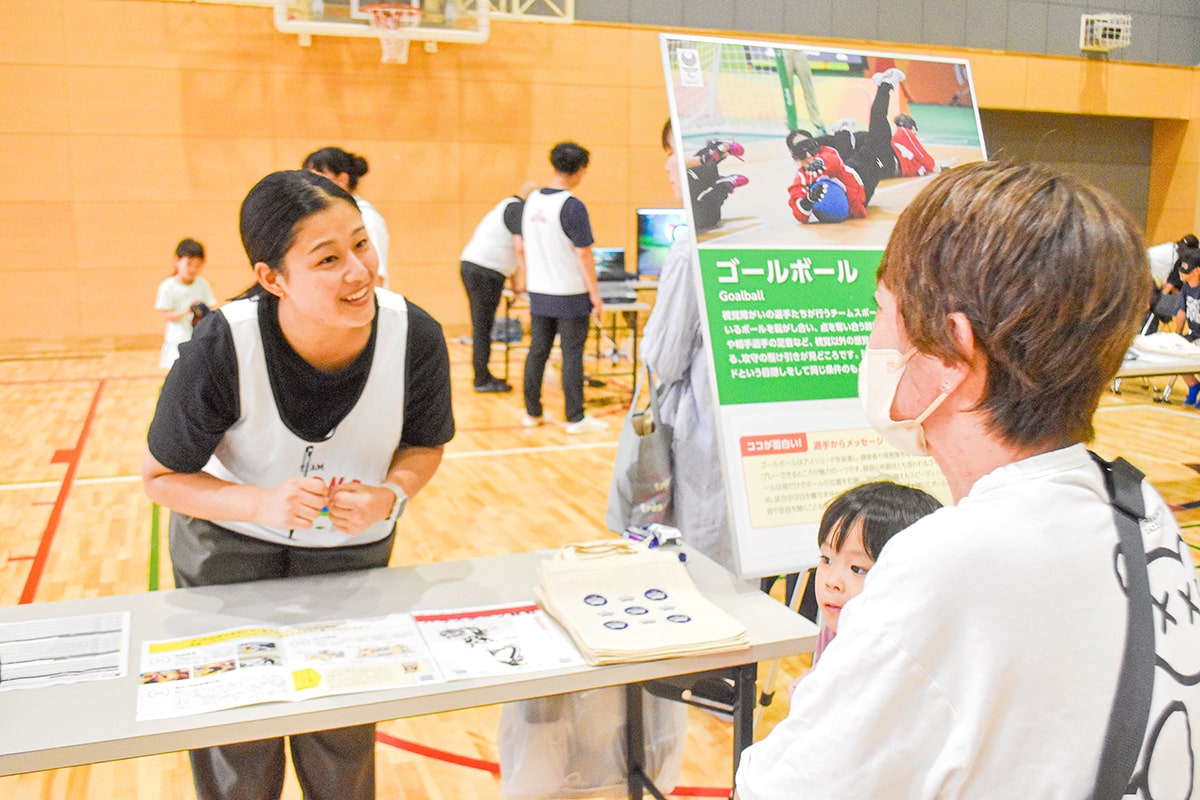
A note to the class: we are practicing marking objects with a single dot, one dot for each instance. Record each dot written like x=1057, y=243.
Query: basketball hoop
x=394, y=24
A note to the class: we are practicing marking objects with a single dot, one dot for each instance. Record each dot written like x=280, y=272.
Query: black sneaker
x=495, y=385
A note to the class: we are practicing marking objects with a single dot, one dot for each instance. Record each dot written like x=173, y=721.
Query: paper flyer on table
x=495, y=640
x=258, y=664
x=63, y=650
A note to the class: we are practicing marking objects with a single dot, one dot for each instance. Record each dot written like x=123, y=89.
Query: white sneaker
x=893, y=76
x=533, y=422
x=844, y=124
x=587, y=425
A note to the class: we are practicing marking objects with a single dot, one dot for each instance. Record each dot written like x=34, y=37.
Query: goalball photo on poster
x=797, y=162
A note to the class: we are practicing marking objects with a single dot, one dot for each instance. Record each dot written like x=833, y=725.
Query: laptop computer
x=611, y=276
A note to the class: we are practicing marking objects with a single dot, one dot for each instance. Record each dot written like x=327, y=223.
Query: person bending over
x=288, y=438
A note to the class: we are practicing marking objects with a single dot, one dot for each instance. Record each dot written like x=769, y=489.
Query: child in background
x=853, y=531
x=183, y=299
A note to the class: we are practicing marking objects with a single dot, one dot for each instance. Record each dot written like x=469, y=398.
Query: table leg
x=635, y=752
x=508, y=302
x=635, y=746
x=633, y=347
x=743, y=710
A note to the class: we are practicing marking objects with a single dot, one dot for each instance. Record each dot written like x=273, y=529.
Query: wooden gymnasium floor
x=75, y=523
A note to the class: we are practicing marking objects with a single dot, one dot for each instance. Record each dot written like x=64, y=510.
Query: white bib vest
x=550, y=263
x=491, y=245
x=260, y=450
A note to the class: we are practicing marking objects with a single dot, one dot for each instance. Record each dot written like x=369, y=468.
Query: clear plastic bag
x=573, y=745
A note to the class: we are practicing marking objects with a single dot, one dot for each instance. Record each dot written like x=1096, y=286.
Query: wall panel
x=136, y=123
x=37, y=236
x=37, y=168
x=35, y=99
x=43, y=304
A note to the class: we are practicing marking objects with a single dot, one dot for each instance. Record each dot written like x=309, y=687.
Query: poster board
x=788, y=300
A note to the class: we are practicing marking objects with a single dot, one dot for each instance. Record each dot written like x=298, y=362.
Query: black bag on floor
x=507, y=329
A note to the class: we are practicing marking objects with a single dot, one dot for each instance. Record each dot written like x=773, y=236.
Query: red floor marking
x=433, y=752
x=700, y=791
x=71, y=459
x=494, y=768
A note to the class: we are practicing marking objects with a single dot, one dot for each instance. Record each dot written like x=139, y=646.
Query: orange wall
x=128, y=124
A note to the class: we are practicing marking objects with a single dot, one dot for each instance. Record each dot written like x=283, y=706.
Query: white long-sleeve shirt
x=982, y=657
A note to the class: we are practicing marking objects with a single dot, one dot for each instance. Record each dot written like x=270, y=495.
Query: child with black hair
x=852, y=533
x=183, y=299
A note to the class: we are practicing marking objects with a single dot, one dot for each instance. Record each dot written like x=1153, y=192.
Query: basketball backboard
x=460, y=21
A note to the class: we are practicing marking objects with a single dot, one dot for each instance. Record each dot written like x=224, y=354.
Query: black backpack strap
x=1131, y=707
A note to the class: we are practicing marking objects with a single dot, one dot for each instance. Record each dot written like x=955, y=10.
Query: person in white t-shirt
x=494, y=256
x=560, y=274
x=184, y=299
x=982, y=657
x=1164, y=261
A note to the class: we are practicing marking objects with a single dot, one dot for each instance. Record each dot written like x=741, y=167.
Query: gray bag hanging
x=641, y=484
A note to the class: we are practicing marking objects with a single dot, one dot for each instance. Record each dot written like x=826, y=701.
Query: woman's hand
x=294, y=504
x=355, y=506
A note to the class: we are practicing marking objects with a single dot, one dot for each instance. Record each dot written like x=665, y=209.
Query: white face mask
x=878, y=378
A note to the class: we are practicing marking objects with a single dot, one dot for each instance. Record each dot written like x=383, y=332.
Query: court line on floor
x=82, y=379
x=78, y=482
x=521, y=451
x=1176, y=410
x=71, y=459
x=512, y=451
x=493, y=767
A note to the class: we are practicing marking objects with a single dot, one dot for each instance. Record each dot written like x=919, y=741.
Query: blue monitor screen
x=657, y=228
x=610, y=264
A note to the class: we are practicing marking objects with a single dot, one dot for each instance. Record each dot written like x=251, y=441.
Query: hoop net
x=394, y=23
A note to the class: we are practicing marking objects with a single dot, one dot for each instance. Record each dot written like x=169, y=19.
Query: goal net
x=733, y=89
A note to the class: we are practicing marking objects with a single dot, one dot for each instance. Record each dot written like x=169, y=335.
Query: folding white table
x=1147, y=364
x=92, y=721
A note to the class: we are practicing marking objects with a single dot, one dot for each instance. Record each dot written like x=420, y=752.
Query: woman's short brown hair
x=1050, y=272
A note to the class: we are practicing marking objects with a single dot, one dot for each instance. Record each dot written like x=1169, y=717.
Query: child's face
x=840, y=575
x=188, y=267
